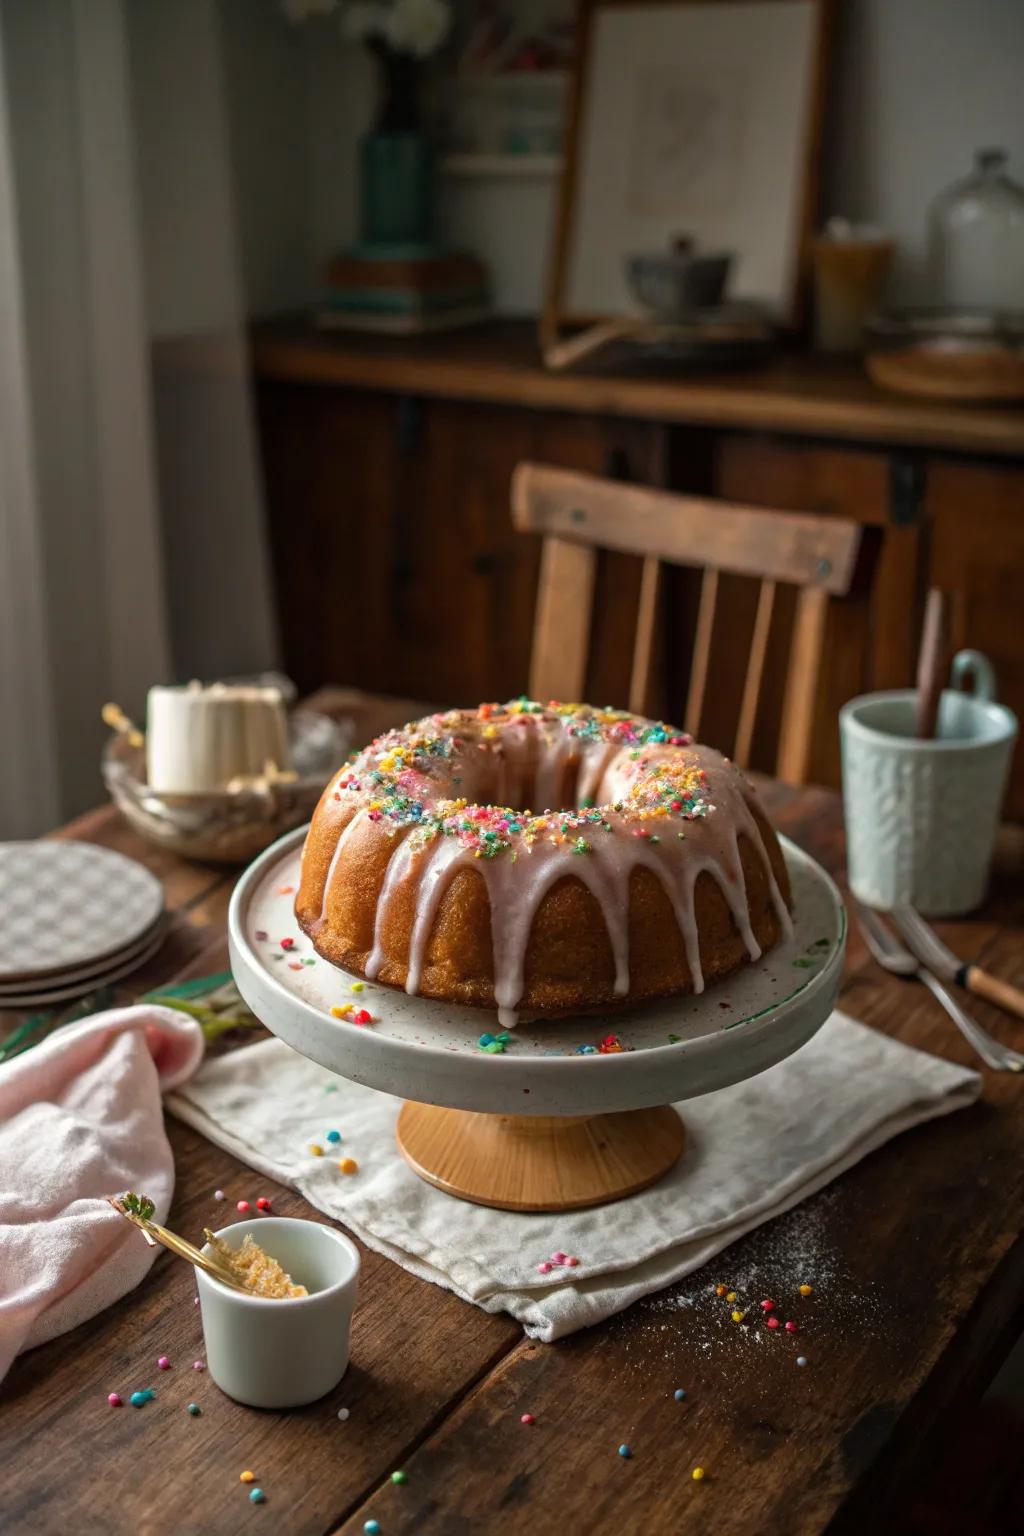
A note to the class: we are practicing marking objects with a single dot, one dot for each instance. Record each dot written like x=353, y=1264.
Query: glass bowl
x=229, y=827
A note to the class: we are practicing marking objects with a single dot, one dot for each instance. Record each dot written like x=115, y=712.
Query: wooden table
x=918, y=1298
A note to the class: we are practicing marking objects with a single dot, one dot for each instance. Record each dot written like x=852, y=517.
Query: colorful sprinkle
x=679, y=1394
x=287, y=943
x=572, y=1261
x=315, y=1149
x=357, y=986
x=195, y=1410
x=767, y=1306
x=163, y=1364
x=697, y=1474
x=544, y=1268
x=145, y=1396
x=558, y=1257
x=806, y=1290
x=730, y=1296
x=494, y=1045
x=257, y=1496
x=247, y=1477
x=199, y=1365
x=263, y=1204
x=771, y=1322
x=399, y=1477
x=372, y=1527
x=243, y=1206
x=114, y=1399
x=792, y=1328
x=738, y=1317
x=285, y=890
x=801, y=1359
x=527, y=1418
x=260, y=935
x=719, y=1290
x=362, y=1016
x=348, y=1165
x=343, y=1414
x=219, y=1194
x=625, y=1452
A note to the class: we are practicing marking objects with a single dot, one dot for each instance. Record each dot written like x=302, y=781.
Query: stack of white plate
x=72, y=918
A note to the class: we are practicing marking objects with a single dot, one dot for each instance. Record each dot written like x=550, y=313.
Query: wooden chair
x=579, y=515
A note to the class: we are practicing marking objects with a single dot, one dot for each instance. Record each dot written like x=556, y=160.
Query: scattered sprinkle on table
x=697, y=1474
x=114, y=1399
x=199, y=1365
x=767, y=1306
x=333, y=1136
x=527, y=1418
x=625, y=1452
x=348, y=1165
x=801, y=1359
x=195, y=1410
x=679, y=1394
x=163, y=1364
x=145, y=1396
x=287, y=943
x=372, y=1528
x=771, y=1322
x=792, y=1328
x=315, y=1149
x=247, y=1477
x=242, y=1206
x=257, y=1496
x=219, y=1194
x=806, y=1290
x=399, y=1477
x=343, y=1414
x=263, y=1204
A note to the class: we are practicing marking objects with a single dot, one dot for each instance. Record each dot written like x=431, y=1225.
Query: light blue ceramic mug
x=921, y=816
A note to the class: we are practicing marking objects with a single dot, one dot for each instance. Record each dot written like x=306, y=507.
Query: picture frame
x=697, y=118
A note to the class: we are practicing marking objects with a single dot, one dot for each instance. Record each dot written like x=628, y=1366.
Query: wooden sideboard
x=387, y=466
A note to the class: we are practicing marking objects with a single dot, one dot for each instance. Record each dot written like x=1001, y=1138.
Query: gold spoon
x=138, y=1209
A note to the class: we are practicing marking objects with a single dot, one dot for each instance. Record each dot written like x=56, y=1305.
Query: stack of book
x=404, y=293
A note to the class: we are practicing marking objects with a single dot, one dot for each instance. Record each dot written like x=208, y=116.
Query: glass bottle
x=976, y=238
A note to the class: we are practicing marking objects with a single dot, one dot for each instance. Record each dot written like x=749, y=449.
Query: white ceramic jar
x=921, y=816
x=282, y=1353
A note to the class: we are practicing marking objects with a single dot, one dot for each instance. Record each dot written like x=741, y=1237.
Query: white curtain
x=130, y=506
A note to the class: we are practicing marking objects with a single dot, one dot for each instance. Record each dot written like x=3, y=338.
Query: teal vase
x=396, y=162
x=396, y=189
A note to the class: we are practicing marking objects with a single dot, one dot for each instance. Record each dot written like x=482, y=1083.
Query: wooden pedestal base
x=542, y=1162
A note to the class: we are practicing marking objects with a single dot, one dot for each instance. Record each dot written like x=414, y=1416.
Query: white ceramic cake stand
x=541, y=1126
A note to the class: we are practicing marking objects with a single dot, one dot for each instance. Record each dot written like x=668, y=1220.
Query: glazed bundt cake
x=659, y=874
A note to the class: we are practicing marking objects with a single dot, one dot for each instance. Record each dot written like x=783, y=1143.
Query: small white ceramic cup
x=921, y=816
x=282, y=1353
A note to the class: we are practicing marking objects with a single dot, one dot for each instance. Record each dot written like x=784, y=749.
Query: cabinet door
x=464, y=601
x=871, y=643
x=977, y=553
x=330, y=473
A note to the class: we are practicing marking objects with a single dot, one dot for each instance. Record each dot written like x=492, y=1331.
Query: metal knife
x=931, y=951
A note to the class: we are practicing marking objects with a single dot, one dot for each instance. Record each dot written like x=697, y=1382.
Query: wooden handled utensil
x=931, y=666
x=931, y=951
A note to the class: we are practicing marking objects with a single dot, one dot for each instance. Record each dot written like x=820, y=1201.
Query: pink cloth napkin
x=81, y=1119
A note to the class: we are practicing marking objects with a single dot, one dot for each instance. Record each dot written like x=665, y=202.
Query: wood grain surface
x=918, y=1272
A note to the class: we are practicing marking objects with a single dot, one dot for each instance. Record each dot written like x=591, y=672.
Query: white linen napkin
x=752, y=1151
